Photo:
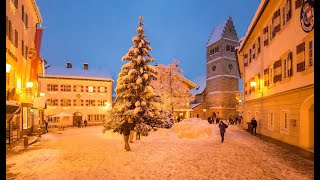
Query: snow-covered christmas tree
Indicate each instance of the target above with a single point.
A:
(136, 100)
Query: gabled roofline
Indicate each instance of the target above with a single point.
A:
(254, 24)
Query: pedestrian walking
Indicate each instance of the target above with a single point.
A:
(85, 123)
(254, 126)
(138, 129)
(79, 123)
(209, 120)
(133, 125)
(125, 130)
(178, 119)
(222, 127)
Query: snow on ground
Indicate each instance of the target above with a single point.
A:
(84, 153)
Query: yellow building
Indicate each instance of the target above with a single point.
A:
(80, 92)
(276, 61)
(23, 62)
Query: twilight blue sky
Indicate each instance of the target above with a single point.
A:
(99, 31)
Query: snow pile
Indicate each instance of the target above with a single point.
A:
(192, 128)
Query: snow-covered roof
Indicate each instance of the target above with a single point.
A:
(254, 20)
(194, 105)
(74, 72)
(201, 81)
(216, 33)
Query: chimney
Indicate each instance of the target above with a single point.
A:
(85, 66)
(69, 65)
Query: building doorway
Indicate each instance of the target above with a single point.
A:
(307, 123)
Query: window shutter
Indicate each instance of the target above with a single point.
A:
(48, 87)
(81, 102)
(61, 87)
(81, 88)
(265, 36)
(98, 88)
(61, 102)
(86, 88)
(69, 102)
(74, 102)
(289, 64)
(87, 102)
(266, 77)
(93, 102)
(105, 89)
(74, 88)
(288, 7)
(94, 88)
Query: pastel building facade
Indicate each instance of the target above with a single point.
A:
(23, 63)
(80, 92)
(276, 60)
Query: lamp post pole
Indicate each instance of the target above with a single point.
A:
(204, 112)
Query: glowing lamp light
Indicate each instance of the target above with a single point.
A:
(253, 84)
(42, 94)
(204, 110)
(8, 67)
(29, 84)
(240, 100)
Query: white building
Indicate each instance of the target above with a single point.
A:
(83, 93)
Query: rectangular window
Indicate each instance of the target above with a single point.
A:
(52, 102)
(27, 50)
(254, 51)
(271, 120)
(22, 48)
(65, 88)
(228, 48)
(65, 102)
(10, 30)
(310, 53)
(277, 71)
(102, 89)
(26, 20)
(16, 38)
(284, 123)
(90, 89)
(52, 87)
(250, 56)
(300, 57)
(266, 77)
(216, 49)
(91, 102)
(245, 60)
(232, 49)
(22, 13)
(276, 22)
(258, 44)
(271, 75)
(289, 64)
(265, 36)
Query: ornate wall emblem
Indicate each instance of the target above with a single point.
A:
(307, 15)
(214, 68)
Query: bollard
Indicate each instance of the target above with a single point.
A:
(25, 140)
(39, 132)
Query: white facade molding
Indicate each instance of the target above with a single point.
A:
(230, 40)
(222, 57)
(222, 92)
(232, 76)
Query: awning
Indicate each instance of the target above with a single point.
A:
(40, 102)
(12, 107)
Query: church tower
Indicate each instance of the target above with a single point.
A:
(222, 75)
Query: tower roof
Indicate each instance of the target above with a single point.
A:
(218, 31)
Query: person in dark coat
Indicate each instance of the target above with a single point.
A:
(85, 123)
(254, 125)
(125, 130)
(46, 123)
(222, 127)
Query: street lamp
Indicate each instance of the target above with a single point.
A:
(107, 105)
(42, 94)
(254, 84)
(8, 67)
(29, 84)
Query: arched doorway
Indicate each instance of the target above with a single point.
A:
(77, 116)
(307, 123)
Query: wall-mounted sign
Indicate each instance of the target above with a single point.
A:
(307, 15)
